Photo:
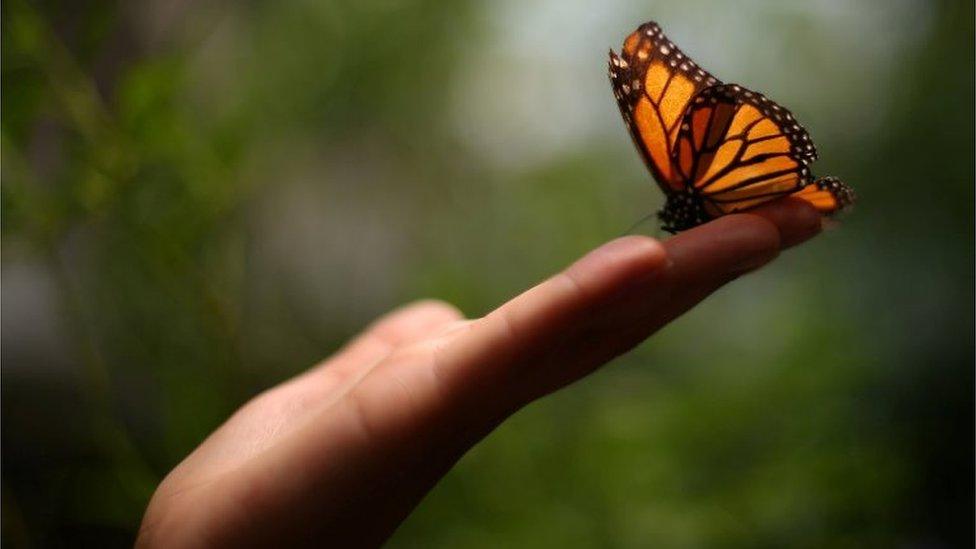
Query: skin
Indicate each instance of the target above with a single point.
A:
(342, 453)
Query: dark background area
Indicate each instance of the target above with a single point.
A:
(200, 199)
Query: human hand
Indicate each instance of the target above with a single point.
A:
(341, 454)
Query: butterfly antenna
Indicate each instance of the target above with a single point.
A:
(635, 225)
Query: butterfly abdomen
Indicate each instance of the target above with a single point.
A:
(682, 210)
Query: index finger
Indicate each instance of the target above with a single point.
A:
(612, 299)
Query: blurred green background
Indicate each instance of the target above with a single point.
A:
(201, 199)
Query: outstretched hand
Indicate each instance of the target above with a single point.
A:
(342, 453)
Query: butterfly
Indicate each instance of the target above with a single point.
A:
(713, 148)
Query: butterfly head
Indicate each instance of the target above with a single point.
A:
(683, 210)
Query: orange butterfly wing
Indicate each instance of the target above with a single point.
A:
(827, 194)
(737, 150)
(654, 82)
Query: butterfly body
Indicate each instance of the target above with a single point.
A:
(713, 148)
(682, 210)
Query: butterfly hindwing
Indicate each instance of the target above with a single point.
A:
(654, 82)
(827, 194)
(737, 149)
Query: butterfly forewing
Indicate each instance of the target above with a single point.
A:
(654, 82)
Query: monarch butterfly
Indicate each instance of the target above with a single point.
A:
(713, 148)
